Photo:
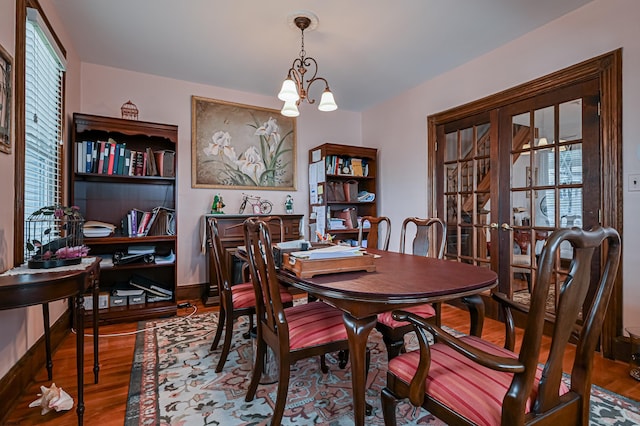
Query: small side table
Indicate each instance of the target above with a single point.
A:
(22, 287)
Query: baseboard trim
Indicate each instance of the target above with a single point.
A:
(22, 373)
(191, 292)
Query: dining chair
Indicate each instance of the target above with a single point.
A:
(235, 300)
(380, 225)
(467, 380)
(426, 230)
(292, 333)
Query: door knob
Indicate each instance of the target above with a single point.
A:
(493, 225)
(506, 226)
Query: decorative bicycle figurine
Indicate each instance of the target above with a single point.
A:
(258, 204)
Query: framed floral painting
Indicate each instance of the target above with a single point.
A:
(241, 146)
(6, 90)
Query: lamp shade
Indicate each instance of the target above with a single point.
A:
(288, 92)
(327, 103)
(290, 109)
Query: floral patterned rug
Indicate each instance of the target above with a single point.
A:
(173, 382)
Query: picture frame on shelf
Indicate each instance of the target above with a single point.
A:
(237, 146)
(6, 100)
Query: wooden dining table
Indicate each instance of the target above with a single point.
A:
(399, 281)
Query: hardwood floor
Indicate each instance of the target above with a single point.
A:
(105, 402)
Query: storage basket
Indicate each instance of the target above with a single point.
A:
(335, 191)
(350, 191)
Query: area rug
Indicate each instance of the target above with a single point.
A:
(173, 382)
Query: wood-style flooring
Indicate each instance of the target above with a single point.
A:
(105, 402)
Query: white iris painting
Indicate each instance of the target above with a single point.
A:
(241, 146)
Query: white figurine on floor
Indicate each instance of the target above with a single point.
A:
(53, 398)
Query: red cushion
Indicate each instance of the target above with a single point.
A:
(424, 311)
(243, 295)
(313, 324)
(474, 391)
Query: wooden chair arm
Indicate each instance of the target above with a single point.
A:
(421, 326)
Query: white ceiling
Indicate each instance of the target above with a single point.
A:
(368, 50)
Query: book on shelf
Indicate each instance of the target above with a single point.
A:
(166, 260)
(151, 168)
(165, 162)
(101, 149)
(112, 156)
(127, 292)
(121, 158)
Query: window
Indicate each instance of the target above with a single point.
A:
(40, 168)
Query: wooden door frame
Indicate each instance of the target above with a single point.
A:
(607, 68)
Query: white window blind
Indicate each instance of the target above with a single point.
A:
(43, 118)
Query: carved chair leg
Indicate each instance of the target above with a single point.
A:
(247, 334)
(476, 312)
(216, 339)
(283, 389)
(343, 358)
(226, 345)
(394, 347)
(256, 371)
(323, 364)
(388, 407)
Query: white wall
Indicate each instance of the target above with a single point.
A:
(21, 328)
(597, 28)
(165, 100)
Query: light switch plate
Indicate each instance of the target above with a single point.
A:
(634, 182)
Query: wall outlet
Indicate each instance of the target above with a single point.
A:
(634, 182)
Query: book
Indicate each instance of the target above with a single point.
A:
(144, 222)
(88, 156)
(141, 249)
(128, 292)
(112, 156)
(122, 158)
(165, 162)
(151, 169)
(127, 162)
(139, 164)
(102, 146)
(94, 157)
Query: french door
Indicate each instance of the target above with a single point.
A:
(514, 174)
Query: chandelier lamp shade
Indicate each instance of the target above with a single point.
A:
(295, 87)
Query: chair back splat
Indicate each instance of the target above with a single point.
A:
(427, 230)
(377, 226)
(512, 388)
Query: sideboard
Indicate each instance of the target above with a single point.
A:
(232, 236)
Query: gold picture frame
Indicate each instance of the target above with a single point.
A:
(237, 146)
(6, 100)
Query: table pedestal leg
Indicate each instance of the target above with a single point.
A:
(79, 309)
(358, 332)
(96, 317)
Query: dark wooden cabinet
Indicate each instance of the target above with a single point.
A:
(348, 171)
(109, 197)
(232, 236)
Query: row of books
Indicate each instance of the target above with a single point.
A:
(114, 158)
(139, 223)
(349, 166)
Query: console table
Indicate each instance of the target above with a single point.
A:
(22, 287)
(232, 236)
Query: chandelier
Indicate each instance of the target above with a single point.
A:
(294, 88)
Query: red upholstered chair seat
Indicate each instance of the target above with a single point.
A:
(425, 311)
(314, 324)
(476, 392)
(243, 296)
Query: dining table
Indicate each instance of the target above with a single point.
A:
(399, 281)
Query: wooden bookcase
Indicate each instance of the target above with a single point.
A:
(109, 197)
(338, 175)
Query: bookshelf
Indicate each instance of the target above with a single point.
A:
(347, 171)
(110, 197)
